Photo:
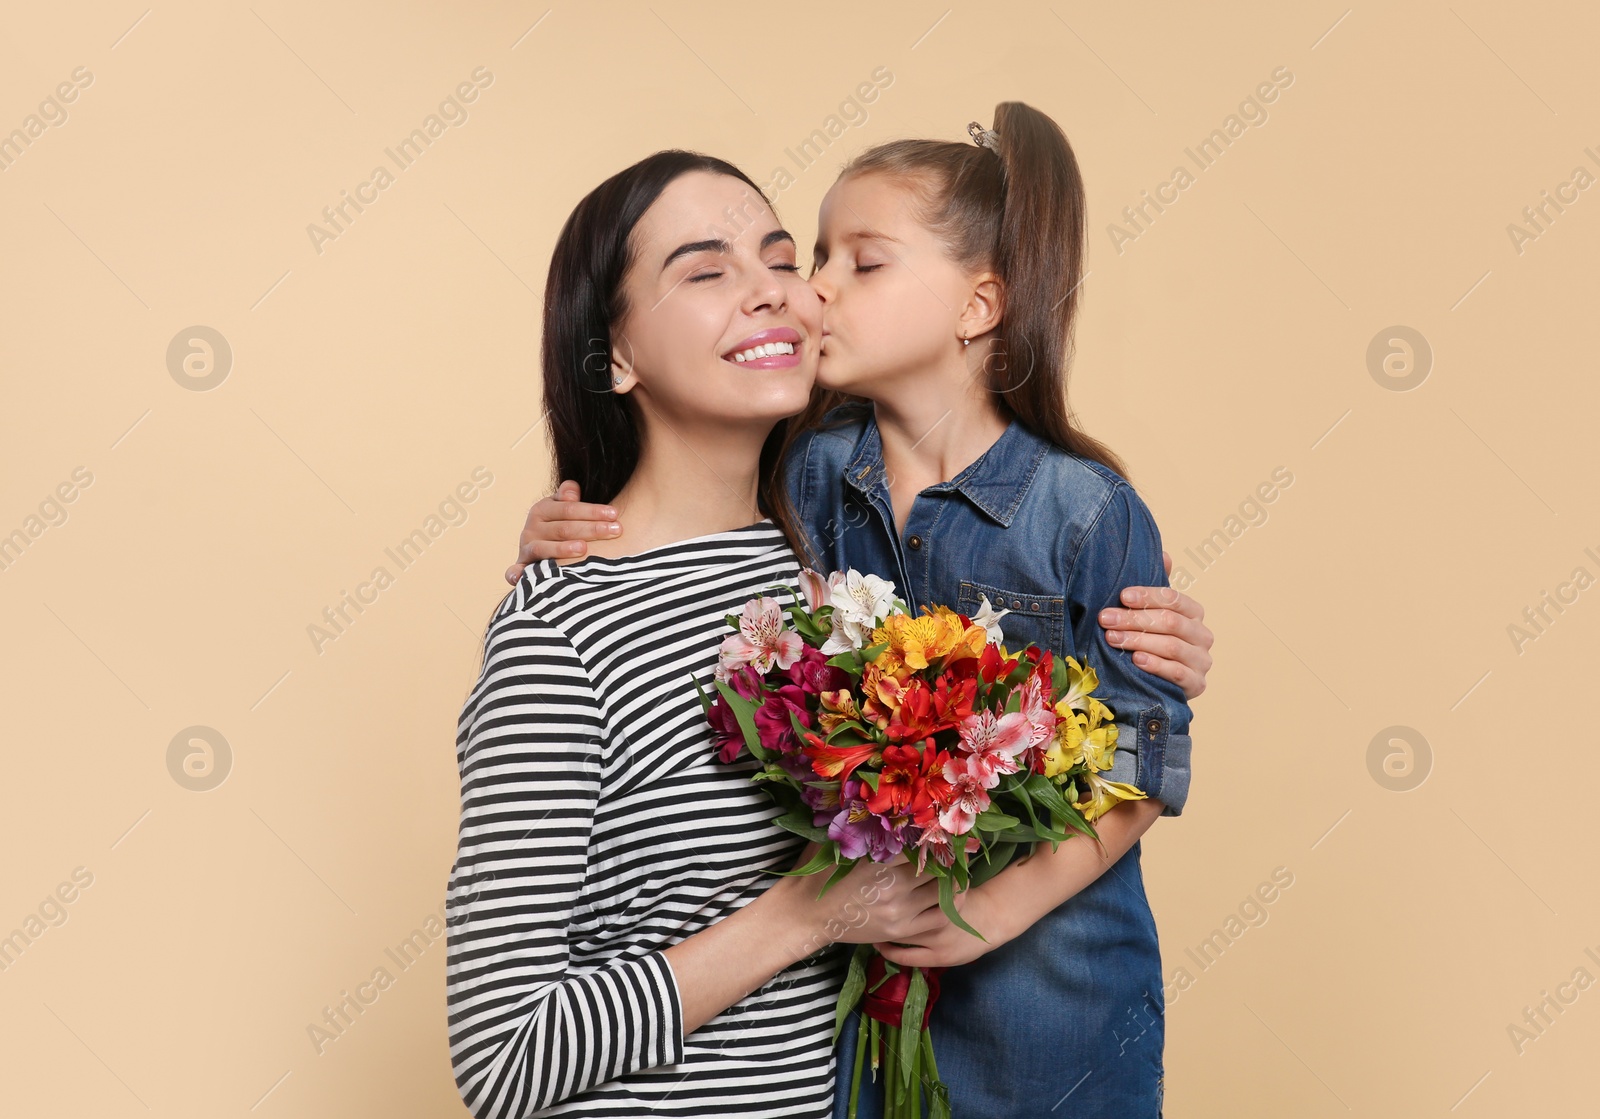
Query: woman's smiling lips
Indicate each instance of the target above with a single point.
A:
(781, 338)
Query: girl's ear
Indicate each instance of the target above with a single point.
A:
(984, 305)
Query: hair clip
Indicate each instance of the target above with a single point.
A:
(983, 137)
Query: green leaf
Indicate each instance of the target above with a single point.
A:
(705, 700)
(822, 858)
(732, 620)
(800, 729)
(868, 777)
(992, 819)
(996, 858)
(910, 1038)
(850, 727)
(855, 984)
(872, 651)
(947, 902)
(745, 711)
(799, 821)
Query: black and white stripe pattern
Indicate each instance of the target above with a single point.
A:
(598, 828)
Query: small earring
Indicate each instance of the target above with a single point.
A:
(965, 341)
(618, 378)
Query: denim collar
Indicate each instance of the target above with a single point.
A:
(996, 481)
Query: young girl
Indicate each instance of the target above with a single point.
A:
(949, 279)
(617, 944)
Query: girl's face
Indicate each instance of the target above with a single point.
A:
(893, 300)
(713, 277)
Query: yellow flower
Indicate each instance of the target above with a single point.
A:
(918, 641)
(1081, 680)
(1066, 750)
(1101, 796)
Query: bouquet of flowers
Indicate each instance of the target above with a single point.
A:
(882, 733)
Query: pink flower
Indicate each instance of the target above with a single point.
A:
(992, 744)
(762, 640)
(815, 587)
(970, 794)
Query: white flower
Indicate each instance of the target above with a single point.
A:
(859, 603)
(989, 618)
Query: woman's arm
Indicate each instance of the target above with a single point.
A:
(528, 1027)
(1161, 626)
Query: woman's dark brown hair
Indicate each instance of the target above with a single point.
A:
(1018, 212)
(596, 434)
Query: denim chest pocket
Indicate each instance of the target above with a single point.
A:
(1034, 619)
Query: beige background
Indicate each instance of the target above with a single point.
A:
(370, 379)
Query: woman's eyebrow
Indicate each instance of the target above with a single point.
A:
(718, 245)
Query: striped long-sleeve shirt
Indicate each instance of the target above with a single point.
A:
(597, 829)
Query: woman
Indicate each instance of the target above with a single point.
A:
(949, 275)
(618, 943)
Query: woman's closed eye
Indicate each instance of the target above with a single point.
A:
(775, 267)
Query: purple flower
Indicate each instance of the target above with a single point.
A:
(858, 832)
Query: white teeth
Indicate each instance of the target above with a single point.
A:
(766, 350)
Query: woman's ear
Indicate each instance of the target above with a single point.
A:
(622, 378)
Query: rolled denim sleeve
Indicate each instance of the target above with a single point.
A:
(1122, 548)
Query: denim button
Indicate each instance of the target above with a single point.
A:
(915, 542)
(1153, 726)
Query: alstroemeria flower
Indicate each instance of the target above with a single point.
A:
(726, 732)
(1101, 796)
(989, 618)
(772, 718)
(836, 761)
(858, 602)
(1080, 682)
(969, 796)
(814, 675)
(921, 640)
(911, 782)
(762, 641)
(993, 743)
(859, 832)
(815, 588)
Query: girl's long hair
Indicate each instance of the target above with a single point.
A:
(1020, 212)
(595, 433)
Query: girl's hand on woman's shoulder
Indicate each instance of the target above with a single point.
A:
(557, 527)
(1166, 630)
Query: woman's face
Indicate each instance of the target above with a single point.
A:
(891, 295)
(713, 277)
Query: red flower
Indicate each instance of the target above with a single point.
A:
(912, 782)
(836, 761)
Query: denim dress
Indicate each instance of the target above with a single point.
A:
(1067, 1019)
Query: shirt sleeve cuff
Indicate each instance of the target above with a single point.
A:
(662, 985)
(1154, 761)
